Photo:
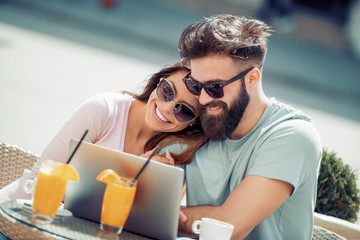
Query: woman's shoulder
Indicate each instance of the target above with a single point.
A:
(106, 102)
(111, 97)
(107, 99)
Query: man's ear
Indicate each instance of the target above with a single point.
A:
(253, 77)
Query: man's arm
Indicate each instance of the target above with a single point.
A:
(253, 200)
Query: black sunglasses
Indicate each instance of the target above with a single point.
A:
(166, 93)
(213, 89)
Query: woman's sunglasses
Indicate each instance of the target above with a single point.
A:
(213, 89)
(166, 93)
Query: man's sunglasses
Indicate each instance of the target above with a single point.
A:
(213, 89)
(166, 93)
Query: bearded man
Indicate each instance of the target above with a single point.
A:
(259, 169)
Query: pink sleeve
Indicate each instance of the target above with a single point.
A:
(104, 115)
(90, 115)
(98, 114)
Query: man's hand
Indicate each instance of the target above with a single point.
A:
(167, 159)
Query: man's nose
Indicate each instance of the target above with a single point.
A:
(204, 98)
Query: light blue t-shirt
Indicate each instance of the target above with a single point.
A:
(283, 145)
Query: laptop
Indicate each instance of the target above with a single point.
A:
(155, 211)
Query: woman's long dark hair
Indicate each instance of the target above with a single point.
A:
(192, 135)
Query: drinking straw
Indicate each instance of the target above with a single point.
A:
(146, 163)
(77, 146)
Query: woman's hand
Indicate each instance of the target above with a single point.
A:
(182, 216)
(167, 159)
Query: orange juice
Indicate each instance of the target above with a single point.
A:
(117, 203)
(49, 193)
(50, 190)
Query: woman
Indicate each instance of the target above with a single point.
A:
(164, 114)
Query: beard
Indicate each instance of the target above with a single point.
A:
(220, 126)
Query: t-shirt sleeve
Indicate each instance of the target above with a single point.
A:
(176, 148)
(289, 152)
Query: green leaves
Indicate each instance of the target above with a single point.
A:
(337, 193)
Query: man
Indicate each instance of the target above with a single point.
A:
(259, 171)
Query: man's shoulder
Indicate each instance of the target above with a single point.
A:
(279, 115)
(291, 126)
(283, 110)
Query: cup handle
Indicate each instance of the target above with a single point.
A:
(28, 186)
(195, 227)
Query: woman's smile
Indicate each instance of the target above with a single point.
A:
(159, 115)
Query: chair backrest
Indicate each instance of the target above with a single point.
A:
(346, 229)
(320, 233)
(13, 162)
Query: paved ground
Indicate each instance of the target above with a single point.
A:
(54, 54)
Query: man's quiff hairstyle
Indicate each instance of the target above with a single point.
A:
(241, 38)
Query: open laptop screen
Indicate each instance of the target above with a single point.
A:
(155, 210)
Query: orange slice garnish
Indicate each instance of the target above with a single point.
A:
(66, 171)
(108, 176)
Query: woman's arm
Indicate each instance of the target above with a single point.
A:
(90, 115)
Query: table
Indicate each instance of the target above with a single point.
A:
(15, 224)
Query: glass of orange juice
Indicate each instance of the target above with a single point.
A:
(117, 202)
(50, 190)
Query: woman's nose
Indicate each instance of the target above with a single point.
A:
(168, 107)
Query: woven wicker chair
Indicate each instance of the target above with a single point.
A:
(320, 233)
(346, 229)
(13, 162)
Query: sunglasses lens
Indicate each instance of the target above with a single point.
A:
(193, 87)
(214, 90)
(165, 92)
(183, 113)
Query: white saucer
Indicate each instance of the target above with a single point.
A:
(26, 204)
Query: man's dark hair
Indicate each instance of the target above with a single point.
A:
(243, 39)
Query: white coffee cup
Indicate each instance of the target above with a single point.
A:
(29, 187)
(212, 229)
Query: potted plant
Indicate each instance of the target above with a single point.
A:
(337, 192)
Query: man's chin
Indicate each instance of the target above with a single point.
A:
(212, 126)
(213, 121)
